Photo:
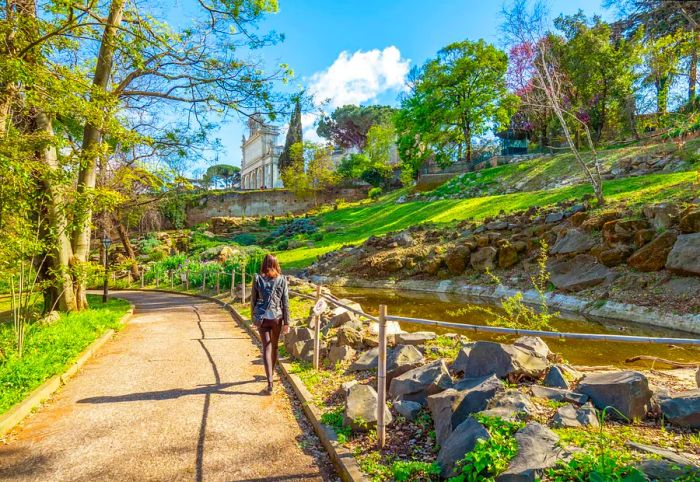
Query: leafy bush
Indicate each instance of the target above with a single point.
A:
(414, 470)
(282, 245)
(490, 457)
(264, 222)
(334, 419)
(374, 193)
(149, 244)
(317, 236)
(245, 239)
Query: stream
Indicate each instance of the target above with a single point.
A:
(440, 306)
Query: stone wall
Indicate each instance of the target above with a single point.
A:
(277, 202)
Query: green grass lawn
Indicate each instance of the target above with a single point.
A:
(355, 223)
(49, 350)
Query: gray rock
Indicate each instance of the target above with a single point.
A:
(451, 407)
(297, 334)
(682, 408)
(366, 361)
(684, 258)
(555, 378)
(487, 358)
(408, 409)
(553, 217)
(361, 408)
(537, 450)
(340, 316)
(483, 258)
(415, 338)
(662, 216)
(626, 391)
(558, 394)
(578, 273)
(462, 440)
(402, 359)
(510, 405)
(569, 416)
(50, 318)
(665, 454)
(574, 241)
(404, 239)
(341, 354)
(497, 225)
(662, 471)
(534, 344)
(417, 384)
(346, 386)
(460, 363)
(348, 336)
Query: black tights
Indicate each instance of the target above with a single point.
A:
(270, 335)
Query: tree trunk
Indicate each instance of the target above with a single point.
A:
(662, 95)
(693, 70)
(128, 248)
(92, 140)
(60, 256)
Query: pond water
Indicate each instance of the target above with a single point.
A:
(440, 306)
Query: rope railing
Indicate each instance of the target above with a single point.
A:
(547, 334)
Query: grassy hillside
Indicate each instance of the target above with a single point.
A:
(355, 223)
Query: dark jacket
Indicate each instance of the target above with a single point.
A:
(271, 293)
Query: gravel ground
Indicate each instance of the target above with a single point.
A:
(177, 395)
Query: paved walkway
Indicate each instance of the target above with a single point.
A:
(177, 395)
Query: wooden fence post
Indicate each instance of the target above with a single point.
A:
(218, 282)
(187, 279)
(381, 378)
(157, 279)
(233, 282)
(243, 284)
(316, 318)
(128, 277)
(143, 278)
(204, 280)
(172, 280)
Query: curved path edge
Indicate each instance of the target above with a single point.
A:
(596, 310)
(14, 416)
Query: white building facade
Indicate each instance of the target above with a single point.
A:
(260, 160)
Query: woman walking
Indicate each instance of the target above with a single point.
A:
(270, 311)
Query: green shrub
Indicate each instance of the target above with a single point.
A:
(374, 193)
(404, 470)
(282, 245)
(149, 244)
(334, 419)
(264, 222)
(317, 236)
(245, 239)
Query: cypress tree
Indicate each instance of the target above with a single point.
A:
(293, 136)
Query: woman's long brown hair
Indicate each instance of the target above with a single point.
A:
(270, 266)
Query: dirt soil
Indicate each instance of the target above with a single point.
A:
(177, 395)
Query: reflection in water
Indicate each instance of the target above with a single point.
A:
(436, 306)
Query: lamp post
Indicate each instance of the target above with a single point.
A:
(106, 242)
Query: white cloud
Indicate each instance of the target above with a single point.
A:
(359, 77)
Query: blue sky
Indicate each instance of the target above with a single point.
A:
(352, 51)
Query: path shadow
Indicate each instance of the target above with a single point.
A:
(214, 388)
(281, 478)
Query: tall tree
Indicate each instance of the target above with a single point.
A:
(347, 126)
(294, 135)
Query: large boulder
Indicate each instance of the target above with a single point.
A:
(415, 338)
(339, 316)
(574, 241)
(483, 258)
(627, 392)
(402, 359)
(684, 258)
(538, 449)
(366, 361)
(451, 407)
(662, 216)
(457, 258)
(558, 394)
(510, 405)
(341, 354)
(690, 222)
(462, 360)
(489, 358)
(578, 273)
(418, 384)
(662, 470)
(569, 416)
(508, 256)
(534, 344)
(296, 334)
(652, 256)
(555, 379)
(462, 440)
(361, 408)
(682, 408)
(349, 336)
